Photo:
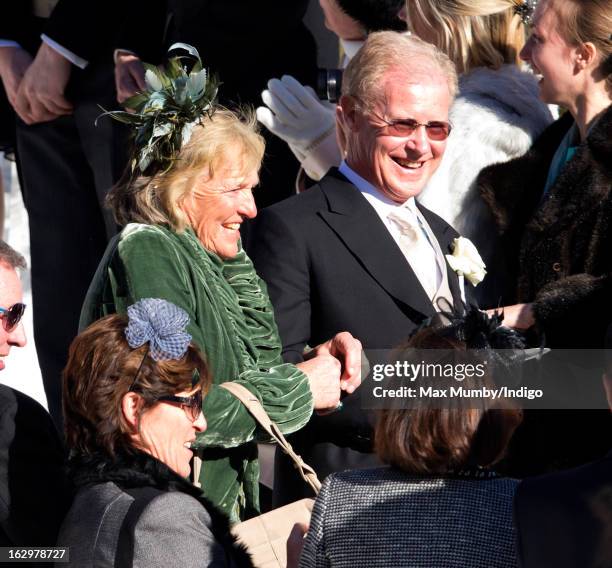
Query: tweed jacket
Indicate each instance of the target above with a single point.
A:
(559, 247)
(232, 322)
(176, 527)
(384, 517)
(496, 117)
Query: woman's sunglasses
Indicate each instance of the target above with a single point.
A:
(192, 405)
(12, 316)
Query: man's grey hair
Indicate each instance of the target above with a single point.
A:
(389, 51)
(8, 255)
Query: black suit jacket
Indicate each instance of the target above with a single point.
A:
(565, 519)
(34, 491)
(331, 265)
(87, 29)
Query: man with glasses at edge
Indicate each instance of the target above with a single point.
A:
(34, 493)
(356, 251)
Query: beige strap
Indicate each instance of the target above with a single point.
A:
(253, 405)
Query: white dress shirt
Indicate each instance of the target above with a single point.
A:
(428, 272)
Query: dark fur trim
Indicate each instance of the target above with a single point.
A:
(560, 248)
(142, 470)
(505, 187)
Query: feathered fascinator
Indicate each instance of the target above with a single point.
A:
(484, 336)
(480, 331)
(167, 110)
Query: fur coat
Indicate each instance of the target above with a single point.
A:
(559, 247)
(496, 117)
(176, 527)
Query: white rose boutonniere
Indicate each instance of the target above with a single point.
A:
(466, 262)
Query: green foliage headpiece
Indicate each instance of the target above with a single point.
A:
(167, 110)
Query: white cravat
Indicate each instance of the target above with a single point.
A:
(416, 248)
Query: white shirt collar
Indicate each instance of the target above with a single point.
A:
(382, 204)
(351, 47)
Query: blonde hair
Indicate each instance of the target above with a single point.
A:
(582, 21)
(221, 138)
(389, 51)
(473, 33)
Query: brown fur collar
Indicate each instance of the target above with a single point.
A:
(513, 190)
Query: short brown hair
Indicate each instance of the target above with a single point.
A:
(433, 440)
(388, 51)
(100, 370)
(224, 136)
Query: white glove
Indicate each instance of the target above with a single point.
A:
(295, 114)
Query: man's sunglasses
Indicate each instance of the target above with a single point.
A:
(12, 316)
(437, 130)
(192, 405)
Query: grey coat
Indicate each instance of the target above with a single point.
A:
(176, 526)
(384, 517)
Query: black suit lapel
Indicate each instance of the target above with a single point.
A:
(359, 227)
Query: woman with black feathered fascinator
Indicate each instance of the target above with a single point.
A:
(439, 502)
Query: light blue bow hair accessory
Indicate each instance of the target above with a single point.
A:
(162, 325)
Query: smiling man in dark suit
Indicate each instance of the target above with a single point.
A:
(356, 252)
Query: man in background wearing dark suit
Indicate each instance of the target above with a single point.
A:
(242, 41)
(56, 66)
(564, 519)
(356, 252)
(34, 492)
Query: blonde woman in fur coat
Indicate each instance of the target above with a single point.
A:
(495, 118)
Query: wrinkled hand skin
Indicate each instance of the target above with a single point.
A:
(40, 97)
(323, 372)
(129, 76)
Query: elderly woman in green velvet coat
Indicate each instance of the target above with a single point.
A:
(181, 242)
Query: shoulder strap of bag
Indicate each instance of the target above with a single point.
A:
(252, 404)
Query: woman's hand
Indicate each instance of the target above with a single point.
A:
(518, 316)
(344, 347)
(323, 372)
(295, 543)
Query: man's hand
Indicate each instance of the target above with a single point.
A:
(518, 316)
(344, 347)
(14, 62)
(41, 93)
(129, 75)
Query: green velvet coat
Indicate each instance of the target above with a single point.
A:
(232, 321)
